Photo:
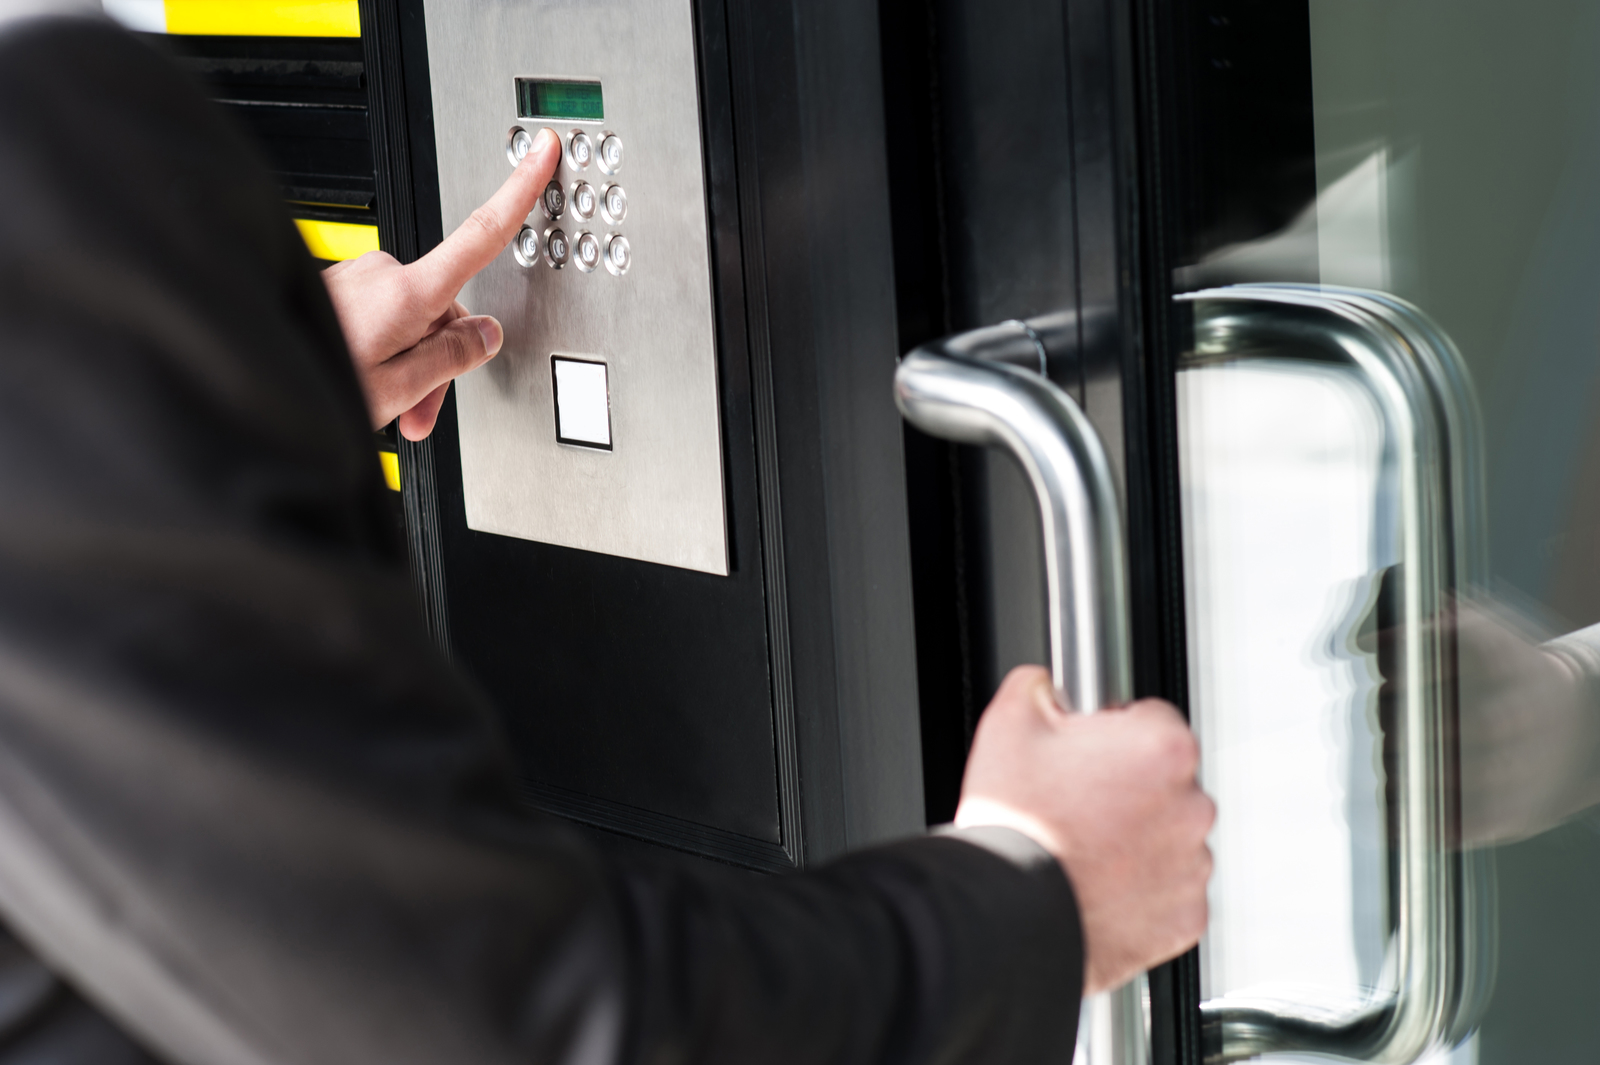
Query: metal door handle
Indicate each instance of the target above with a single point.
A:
(1442, 939)
(973, 389)
(987, 387)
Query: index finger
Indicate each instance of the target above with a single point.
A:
(439, 275)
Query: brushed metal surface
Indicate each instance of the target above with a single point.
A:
(658, 494)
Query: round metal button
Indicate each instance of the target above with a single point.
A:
(580, 150)
(614, 204)
(519, 142)
(584, 200)
(556, 249)
(611, 153)
(586, 252)
(619, 256)
(554, 200)
(525, 249)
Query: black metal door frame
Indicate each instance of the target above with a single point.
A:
(1029, 145)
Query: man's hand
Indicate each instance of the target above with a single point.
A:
(1113, 796)
(407, 334)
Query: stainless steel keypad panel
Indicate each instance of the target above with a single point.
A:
(630, 186)
(583, 201)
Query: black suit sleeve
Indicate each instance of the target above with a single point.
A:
(244, 805)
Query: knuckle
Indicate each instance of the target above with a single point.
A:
(461, 348)
(411, 292)
(1177, 752)
(1188, 749)
(1198, 819)
(1156, 710)
(486, 218)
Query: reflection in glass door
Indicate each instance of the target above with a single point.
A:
(1447, 154)
(1282, 464)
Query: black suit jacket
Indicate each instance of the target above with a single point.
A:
(246, 809)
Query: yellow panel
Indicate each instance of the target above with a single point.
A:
(337, 241)
(265, 18)
(391, 468)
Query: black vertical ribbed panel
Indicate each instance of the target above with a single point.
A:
(1155, 507)
(390, 122)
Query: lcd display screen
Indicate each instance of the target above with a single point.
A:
(574, 101)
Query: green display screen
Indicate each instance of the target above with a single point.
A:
(571, 100)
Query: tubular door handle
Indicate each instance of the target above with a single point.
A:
(973, 389)
(987, 387)
(1442, 940)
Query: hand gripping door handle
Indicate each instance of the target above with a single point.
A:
(987, 387)
(1440, 959)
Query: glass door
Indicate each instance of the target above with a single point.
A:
(1386, 252)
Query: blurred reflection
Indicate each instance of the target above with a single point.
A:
(1281, 465)
(1457, 158)
(1289, 510)
(1342, 237)
(1530, 724)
